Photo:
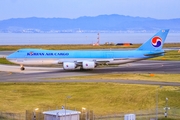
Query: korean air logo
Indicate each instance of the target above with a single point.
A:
(31, 53)
(156, 41)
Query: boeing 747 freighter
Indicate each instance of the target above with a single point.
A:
(87, 59)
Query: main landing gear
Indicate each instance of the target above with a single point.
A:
(22, 67)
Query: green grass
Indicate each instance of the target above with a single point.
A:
(169, 56)
(126, 76)
(167, 119)
(4, 61)
(167, 45)
(102, 98)
(3, 118)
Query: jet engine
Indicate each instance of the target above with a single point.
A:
(88, 65)
(69, 66)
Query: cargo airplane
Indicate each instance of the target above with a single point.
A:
(90, 59)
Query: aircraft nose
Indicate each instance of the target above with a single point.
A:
(9, 57)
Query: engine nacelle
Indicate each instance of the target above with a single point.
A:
(69, 65)
(88, 65)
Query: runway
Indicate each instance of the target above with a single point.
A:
(40, 74)
(3, 54)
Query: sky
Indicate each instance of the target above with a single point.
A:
(159, 9)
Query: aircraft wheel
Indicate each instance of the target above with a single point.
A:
(22, 68)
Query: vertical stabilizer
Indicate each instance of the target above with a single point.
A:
(155, 42)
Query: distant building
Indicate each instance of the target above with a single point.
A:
(125, 44)
(61, 114)
(130, 117)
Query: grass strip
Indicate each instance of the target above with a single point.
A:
(126, 76)
(172, 55)
(102, 98)
(4, 61)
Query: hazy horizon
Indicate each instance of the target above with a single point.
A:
(79, 38)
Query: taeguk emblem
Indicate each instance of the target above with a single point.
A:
(156, 41)
(31, 53)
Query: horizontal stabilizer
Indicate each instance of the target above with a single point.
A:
(154, 54)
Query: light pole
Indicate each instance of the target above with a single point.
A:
(67, 97)
(166, 108)
(85, 112)
(34, 113)
(157, 103)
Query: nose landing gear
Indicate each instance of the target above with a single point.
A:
(22, 67)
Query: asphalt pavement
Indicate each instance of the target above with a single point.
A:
(11, 73)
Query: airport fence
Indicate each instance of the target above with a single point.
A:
(12, 116)
(153, 114)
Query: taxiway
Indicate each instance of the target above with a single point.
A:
(11, 73)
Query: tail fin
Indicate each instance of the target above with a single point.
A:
(156, 42)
